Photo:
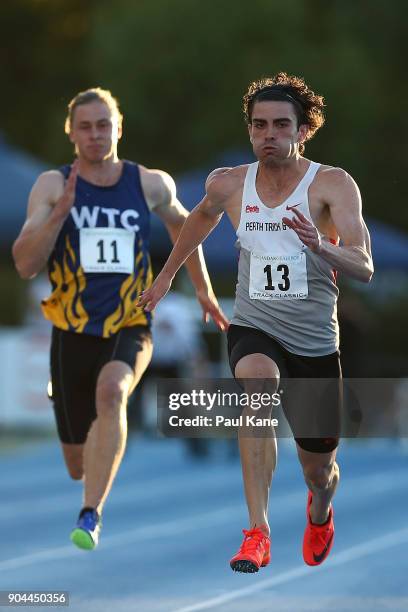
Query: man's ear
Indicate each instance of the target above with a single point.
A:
(302, 132)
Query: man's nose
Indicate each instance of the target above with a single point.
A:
(270, 132)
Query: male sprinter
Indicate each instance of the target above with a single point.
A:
(289, 214)
(90, 222)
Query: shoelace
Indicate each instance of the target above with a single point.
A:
(253, 538)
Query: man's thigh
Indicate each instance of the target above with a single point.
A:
(73, 360)
(134, 347)
(76, 363)
(245, 342)
(313, 401)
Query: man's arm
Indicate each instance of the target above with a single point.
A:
(199, 223)
(353, 258)
(48, 206)
(163, 200)
(160, 192)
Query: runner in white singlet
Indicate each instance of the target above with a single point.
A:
(299, 223)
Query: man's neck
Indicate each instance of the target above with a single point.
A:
(103, 173)
(279, 173)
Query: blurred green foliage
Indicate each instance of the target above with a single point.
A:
(180, 69)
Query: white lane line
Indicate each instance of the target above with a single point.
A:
(350, 554)
(150, 532)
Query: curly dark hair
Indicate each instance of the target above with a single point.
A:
(308, 105)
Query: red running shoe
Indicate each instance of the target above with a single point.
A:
(254, 552)
(318, 539)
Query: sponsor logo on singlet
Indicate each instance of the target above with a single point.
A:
(88, 217)
(265, 226)
(251, 209)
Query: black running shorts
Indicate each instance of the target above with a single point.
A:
(76, 361)
(300, 395)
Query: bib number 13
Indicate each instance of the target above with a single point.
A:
(282, 286)
(278, 277)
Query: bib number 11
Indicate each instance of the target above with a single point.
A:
(107, 250)
(282, 286)
(101, 247)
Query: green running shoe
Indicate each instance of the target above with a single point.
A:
(86, 533)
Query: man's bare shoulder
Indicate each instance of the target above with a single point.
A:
(332, 176)
(153, 176)
(49, 186)
(51, 177)
(337, 188)
(224, 183)
(158, 186)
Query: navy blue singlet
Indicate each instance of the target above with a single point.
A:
(100, 262)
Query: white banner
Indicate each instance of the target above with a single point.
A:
(24, 376)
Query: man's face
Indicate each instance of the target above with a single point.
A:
(274, 132)
(95, 132)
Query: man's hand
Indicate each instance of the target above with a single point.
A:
(306, 231)
(151, 297)
(64, 204)
(210, 307)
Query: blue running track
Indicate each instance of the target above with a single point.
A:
(171, 525)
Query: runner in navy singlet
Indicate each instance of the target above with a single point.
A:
(90, 221)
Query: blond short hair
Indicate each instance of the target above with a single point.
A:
(95, 94)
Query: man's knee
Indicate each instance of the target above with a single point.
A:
(258, 366)
(111, 395)
(260, 377)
